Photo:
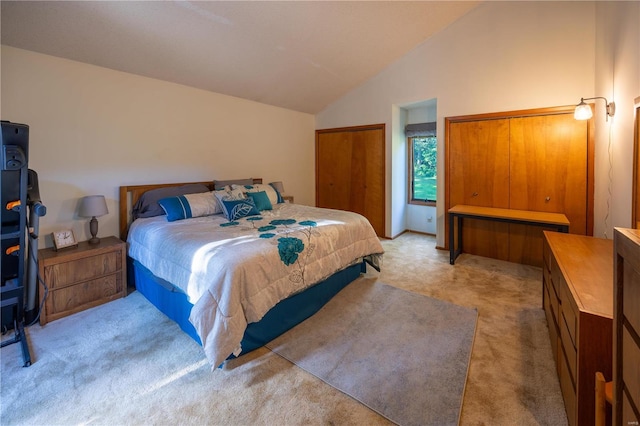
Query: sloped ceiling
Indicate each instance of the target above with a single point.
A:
(299, 55)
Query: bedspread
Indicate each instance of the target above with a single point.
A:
(234, 272)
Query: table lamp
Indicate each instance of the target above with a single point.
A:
(93, 206)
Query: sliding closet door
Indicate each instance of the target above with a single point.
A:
(479, 176)
(548, 174)
(350, 172)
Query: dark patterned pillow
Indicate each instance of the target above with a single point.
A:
(236, 209)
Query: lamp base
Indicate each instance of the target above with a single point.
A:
(93, 228)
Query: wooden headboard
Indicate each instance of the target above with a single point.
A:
(130, 194)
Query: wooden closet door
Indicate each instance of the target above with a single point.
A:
(548, 173)
(478, 161)
(350, 172)
(334, 152)
(367, 177)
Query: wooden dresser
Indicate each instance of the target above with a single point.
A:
(577, 293)
(626, 338)
(82, 277)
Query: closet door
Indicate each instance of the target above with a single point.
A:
(334, 152)
(548, 173)
(478, 163)
(367, 177)
(350, 172)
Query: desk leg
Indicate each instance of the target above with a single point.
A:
(452, 249)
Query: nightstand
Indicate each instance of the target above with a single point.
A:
(288, 198)
(82, 277)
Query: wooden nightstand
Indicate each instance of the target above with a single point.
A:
(82, 277)
(288, 198)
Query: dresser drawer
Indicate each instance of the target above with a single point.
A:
(569, 316)
(628, 415)
(631, 296)
(553, 328)
(64, 274)
(568, 348)
(631, 363)
(568, 391)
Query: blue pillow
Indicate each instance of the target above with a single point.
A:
(188, 205)
(261, 199)
(236, 209)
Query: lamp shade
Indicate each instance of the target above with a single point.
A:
(583, 111)
(93, 206)
(278, 186)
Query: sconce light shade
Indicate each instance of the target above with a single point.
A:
(278, 186)
(93, 206)
(583, 111)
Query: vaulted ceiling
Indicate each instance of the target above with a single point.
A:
(299, 55)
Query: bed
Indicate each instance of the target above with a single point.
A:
(238, 271)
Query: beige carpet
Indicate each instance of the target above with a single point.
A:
(109, 366)
(402, 354)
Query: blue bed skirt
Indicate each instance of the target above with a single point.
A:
(285, 315)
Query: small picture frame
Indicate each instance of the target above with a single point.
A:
(63, 238)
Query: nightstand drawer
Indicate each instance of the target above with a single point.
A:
(76, 298)
(65, 274)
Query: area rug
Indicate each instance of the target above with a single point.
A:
(402, 354)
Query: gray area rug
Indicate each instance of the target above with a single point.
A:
(402, 354)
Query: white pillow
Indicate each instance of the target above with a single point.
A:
(257, 187)
(189, 205)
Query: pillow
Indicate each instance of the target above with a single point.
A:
(147, 205)
(257, 187)
(227, 195)
(189, 205)
(261, 200)
(221, 184)
(236, 209)
(280, 199)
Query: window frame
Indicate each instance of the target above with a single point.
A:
(410, 163)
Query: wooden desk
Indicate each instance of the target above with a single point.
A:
(557, 221)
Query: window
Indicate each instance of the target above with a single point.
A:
(423, 150)
(422, 169)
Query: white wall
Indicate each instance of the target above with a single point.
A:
(617, 65)
(93, 129)
(501, 56)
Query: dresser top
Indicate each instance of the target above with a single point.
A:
(587, 265)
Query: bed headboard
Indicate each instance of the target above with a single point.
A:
(130, 194)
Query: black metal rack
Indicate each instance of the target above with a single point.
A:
(13, 235)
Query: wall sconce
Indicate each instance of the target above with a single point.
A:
(93, 206)
(583, 111)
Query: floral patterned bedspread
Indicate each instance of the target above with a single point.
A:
(234, 272)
